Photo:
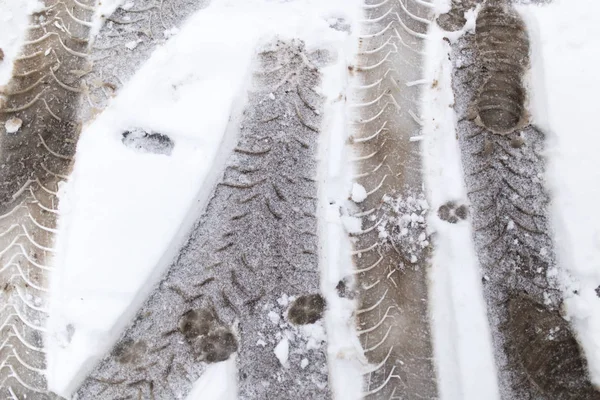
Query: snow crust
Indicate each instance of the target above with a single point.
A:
(565, 85)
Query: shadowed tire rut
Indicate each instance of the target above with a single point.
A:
(537, 354)
(247, 280)
(38, 134)
(391, 253)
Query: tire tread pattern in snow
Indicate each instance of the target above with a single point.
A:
(391, 253)
(38, 134)
(536, 353)
(254, 249)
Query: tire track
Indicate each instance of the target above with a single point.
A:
(38, 134)
(537, 354)
(247, 280)
(127, 39)
(392, 250)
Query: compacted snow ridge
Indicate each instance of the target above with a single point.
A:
(391, 251)
(38, 134)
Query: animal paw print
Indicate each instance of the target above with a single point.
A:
(209, 338)
(306, 309)
(451, 212)
(130, 351)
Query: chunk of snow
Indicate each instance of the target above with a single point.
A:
(351, 224)
(133, 44)
(274, 317)
(315, 333)
(282, 351)
(284, 300)
(359, 193)
(13, 125)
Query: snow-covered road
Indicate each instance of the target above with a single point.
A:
(188, 74)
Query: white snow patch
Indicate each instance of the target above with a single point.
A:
(14, 19)
(133, 44)
(13, 125)
(564, 103)
(351, 224)
(344, 349)
(274, 317)
(216, 382)
(462, 341)
(315, 333)
(359, 193)
(282, 351)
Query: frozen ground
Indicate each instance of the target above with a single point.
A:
(125, 211)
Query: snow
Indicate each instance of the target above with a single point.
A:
(351, 224)
(344, 351)
(565, 86)
(13, 125)
(14, 18)
(359, 194)
(215, 383)
(282, 351)
(274, 317)
(462, 341)
(124, 213)
(304, 363)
